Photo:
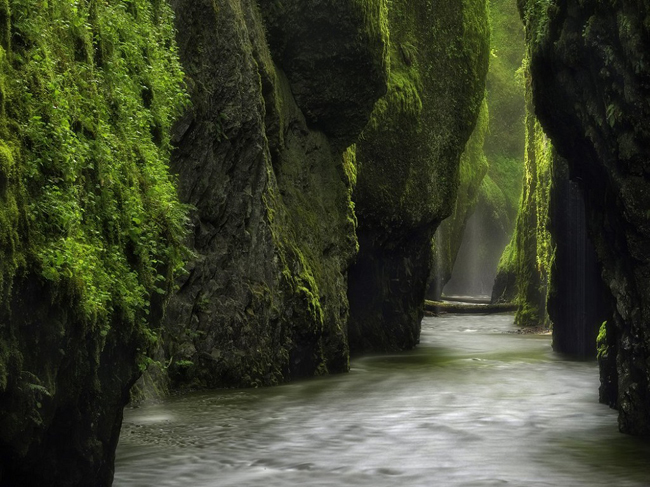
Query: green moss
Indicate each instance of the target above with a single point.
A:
(536, 15)
(505, 142)
(508, 261)
(493, 197)
(89, 93)
(11, 195)
(602, 345)
(533, 246)
(501, 190)
(504, 86)
(408, 162)
(473, 171)
(411, 145)
(376, 21)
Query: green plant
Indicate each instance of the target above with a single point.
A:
(601, 341)
(90, 90)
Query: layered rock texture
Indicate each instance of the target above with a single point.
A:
(408, 163)
(591, 81)
(90, 226)
(278, 93)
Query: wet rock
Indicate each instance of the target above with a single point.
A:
(592, 86)
(262, 158)
(578, 301)
(90, 227)
(408, 159)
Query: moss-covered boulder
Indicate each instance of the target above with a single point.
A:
(591, 87)
(262, 158)
(408, 162)
(90, 226)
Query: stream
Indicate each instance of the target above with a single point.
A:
(473, 405)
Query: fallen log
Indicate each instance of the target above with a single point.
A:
(437, 307)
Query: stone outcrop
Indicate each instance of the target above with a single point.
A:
(591, 81)
(408, 159)
(90, 226)
(278, 94)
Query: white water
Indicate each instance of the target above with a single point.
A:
(471, 406)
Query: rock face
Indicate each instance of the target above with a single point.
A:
(488, 230)
(578, 301)
(408, 163)
(451, 232)
(533, 246)
(592, 91)
(90, 226)
(524, 269)
(262, 157)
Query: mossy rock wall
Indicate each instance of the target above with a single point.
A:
(526, 261)
(591, 81)
(90, 226)
(262, 157)
(533, 248)
(449, 235)
(408, 163)
(500, 192)
(476, 236)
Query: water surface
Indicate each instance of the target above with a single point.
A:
(473, 405)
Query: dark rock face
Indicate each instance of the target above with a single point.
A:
(332, 54)
(578, 302)
(261, 156)
(408, 163)
(90, 226)
(592, 91)
(61, 409)
(504, 289)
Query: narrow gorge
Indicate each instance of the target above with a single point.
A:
(201, 195)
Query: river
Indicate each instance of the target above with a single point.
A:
(473, 405)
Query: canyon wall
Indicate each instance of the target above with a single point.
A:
(591, 83)
(279, 92)
(91, 229)
(483, 220)
(408, 163)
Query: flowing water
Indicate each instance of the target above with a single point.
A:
(473, 405)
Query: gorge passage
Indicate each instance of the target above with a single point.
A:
(202, 194)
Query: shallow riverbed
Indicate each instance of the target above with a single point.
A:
(473, 405)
